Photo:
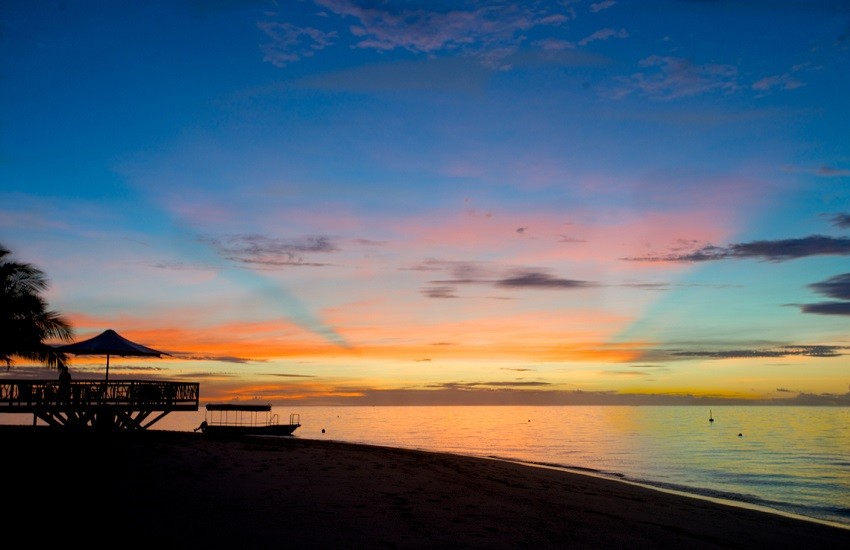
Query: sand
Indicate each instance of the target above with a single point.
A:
(179, 489)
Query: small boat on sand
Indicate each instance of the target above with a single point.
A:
(234, 419)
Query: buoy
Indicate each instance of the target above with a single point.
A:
(323, 430)
(710, 418)
(740, 435)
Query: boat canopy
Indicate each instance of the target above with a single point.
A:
(237, 407)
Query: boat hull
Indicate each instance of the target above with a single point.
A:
(236, 419)
(232, 431)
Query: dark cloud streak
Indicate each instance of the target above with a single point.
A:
(837, 287)
(472, 273)
(772, 251)
(439, 292)
(841, 220)
(540, 280)
(499, 384)
(827, 308)
(783, 351)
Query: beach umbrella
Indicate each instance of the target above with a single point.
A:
(110, 343)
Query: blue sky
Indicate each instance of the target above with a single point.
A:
(361, 202)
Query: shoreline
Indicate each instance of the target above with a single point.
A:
(688, 494)
(192, 490)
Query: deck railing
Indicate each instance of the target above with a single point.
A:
(89, 402)
(25, 394)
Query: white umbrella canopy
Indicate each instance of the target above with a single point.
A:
(109, 343)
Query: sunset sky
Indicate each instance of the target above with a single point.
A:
(362, 202)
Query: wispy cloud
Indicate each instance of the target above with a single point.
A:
(290, 43)
(271, 252)
(204, 357)
(604, 34)
(667, 78)
(782, 82)
(490, 32)
(600, 6)
(554, 44)
(773, 251)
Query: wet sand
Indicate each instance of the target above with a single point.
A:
(178, 489)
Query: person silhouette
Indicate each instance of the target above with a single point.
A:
(65, 385)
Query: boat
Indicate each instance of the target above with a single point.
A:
(235, 419)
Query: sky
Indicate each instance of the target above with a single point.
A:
(344, 202)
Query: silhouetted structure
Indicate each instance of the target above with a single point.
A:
(127, 405)
(110, 343)
(65, 384)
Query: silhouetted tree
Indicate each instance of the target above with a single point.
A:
(25, 321)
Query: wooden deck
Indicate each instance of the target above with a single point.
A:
(125, 405)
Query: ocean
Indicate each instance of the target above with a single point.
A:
(793, 460)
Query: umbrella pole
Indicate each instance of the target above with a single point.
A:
(107, 367)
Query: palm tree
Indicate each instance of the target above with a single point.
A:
(25, 321)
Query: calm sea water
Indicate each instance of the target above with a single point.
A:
(790, 459)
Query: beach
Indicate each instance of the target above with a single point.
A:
(186, 489)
